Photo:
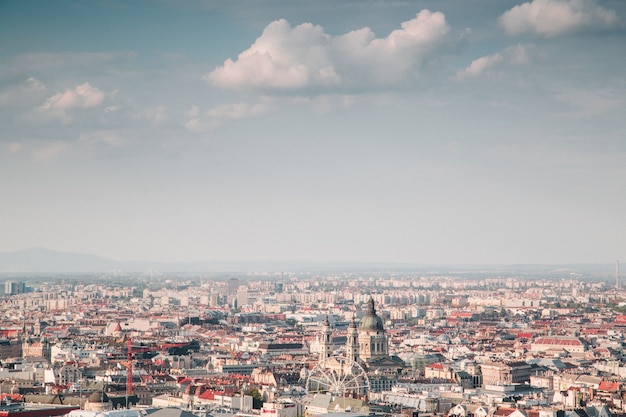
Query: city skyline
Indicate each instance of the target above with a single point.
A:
(403, 131)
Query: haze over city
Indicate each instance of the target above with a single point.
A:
(483, 132)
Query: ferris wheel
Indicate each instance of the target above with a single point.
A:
(339, 376)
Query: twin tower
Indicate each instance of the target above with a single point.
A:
(365, 343)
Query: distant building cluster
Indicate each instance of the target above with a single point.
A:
(292, 345)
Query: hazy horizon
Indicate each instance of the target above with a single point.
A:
(42, 261)
(421, 132)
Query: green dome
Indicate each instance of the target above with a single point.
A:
(371, 321)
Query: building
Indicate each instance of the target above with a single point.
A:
(281, 409)
(36, 349)
(371, 335)
(12, 406)
(501, 373)
(367, 346)
(10, 349)
(557, 344)
(242, 296)
(12, 288)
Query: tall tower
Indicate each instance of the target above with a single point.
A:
(617, 274)
(352, 345)
(46, 349)
(327, 340)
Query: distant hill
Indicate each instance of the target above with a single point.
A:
(40, 260)
(46, 260)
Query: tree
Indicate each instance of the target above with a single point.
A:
(255, 393)
(257, 398)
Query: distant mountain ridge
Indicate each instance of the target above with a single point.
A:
(46, 260)
(41, 260)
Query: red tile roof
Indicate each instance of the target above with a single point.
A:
(608, 386)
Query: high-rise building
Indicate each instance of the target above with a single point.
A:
(214, 301)
(242, 296)
(13, 287)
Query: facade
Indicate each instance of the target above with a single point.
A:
(555, 344)
(69, 373)
(10, 349)
(439, 371)
(36, 349)
(500, 373)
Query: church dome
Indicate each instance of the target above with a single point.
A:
(98, 397)
(98, 401)
(371, 321)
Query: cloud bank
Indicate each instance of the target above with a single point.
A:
(293, 58)
(555, 17)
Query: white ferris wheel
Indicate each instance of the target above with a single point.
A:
(339, 376)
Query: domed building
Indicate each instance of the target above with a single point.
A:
(98, 401)
(367, 345)
(371, 335)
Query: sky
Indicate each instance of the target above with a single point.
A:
(428, 132)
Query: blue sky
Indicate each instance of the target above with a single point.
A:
(454, 132)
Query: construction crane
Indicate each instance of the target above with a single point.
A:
(128, 364)
(129, 372)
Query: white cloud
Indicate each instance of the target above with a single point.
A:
(478, 66)
(304, 56)
(83, 96)
(217, 116)
(555, 17)
(514, 55)
(62, 105)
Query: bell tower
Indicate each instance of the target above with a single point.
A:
(327, 340)
(352, 345)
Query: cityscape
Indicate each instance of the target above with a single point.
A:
(290, 344)
(312, 208)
